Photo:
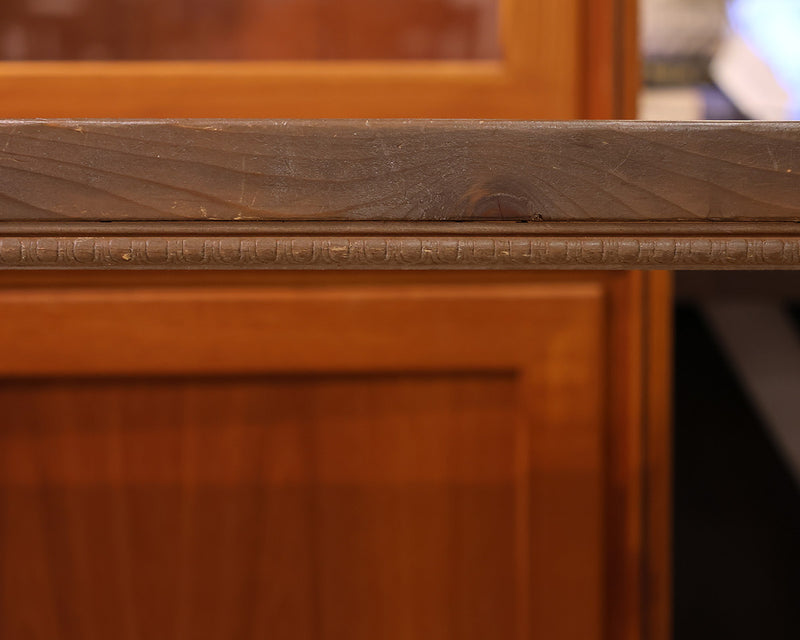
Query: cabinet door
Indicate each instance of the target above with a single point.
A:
(325, 457)
(527, 59)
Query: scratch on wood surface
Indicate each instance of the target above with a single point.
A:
(774, 159)
(9, 138)
(622, 162)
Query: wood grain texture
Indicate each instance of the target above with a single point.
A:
(307, 507)
(412, 477)
(399, 170)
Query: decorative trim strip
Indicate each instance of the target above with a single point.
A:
(399, 252)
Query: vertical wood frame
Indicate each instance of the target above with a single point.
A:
(560, 61)
(658, 458)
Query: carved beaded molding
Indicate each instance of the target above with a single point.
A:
(398, 252)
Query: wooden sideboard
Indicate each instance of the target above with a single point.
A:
(245, 391)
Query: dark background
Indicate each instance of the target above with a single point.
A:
(737, 506)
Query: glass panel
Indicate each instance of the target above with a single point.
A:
(248, 29)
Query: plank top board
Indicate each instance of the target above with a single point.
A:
(391, 170)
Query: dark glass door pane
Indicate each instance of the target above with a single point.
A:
(248, 29)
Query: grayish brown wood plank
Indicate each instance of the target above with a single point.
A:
(399, 171)
(399, 195)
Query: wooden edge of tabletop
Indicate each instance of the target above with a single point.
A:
(414, 194)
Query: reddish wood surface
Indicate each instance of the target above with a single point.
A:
(658, 458)
(556, 65)
(337, 458)
(550, 50)
(249, 29)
